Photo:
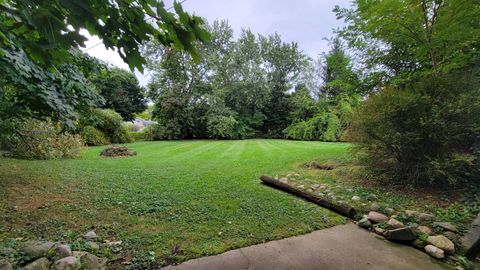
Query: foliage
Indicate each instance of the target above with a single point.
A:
(108, 122)
(35, 139)
(322, 127)
(93, 136)
(409, 135)
(121, 92)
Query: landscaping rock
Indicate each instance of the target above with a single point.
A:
(118, 151)
(91, 235)
(364, 223)
(442, 243)
(419, 244)
(321, 194)
(283, 180)
(425, 230)
(447, 226)
(37, 249)
(401, 234)
(62, 251)
(78, 254)
(424, 217)
(7, 251)
(375, 207)
(452, 236)
(90, 262)
(389, 210)
(412, 213)
(92, 245)
(310, 190)
(471, 240)
(68, 263)
(301, 186)
(355, 198)
(434, 252)
(394, 224)
(5, 265)
(315, 186)
(39, 264)
(376, 217)
(349, 190)
(379, 230)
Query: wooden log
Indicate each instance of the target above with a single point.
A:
(342, 209)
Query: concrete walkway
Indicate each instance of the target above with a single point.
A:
(343, 247)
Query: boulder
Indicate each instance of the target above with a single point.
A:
(446, 226)
(425, 230)
(37, 249)
(62, 251)
(364, 223)
(91, 262)
(355, 198)
(376, 217)
(68, 263)
(412, 213)
(424, 217)
(419, 244)
(394, 224)
(389, 210)
(90, 235)
(434, 252)
(471, 240)
(39, 264)
(442, 243)
(375, 207)
(5, 265)
(402, 234)
(378, 230)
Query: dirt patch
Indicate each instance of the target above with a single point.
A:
(118, 151)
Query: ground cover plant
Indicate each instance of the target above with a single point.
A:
(189, 198)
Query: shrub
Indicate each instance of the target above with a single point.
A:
(160, 132)
(421, 134)
(109, 122)
(36, 139)
(222, 127)
(322, 127)
(93, 136)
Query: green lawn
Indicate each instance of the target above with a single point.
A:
(202, 196)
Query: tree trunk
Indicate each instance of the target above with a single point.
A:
(342, 209)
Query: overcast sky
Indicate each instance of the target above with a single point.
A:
(306, 22)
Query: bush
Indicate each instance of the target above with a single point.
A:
(323, 127)
(93, 136)
(422, 134)
(35, 139)
(109, 122)
(222, 127)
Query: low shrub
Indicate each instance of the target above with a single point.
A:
(93, 136)
(109, 122)
(322, 127)
(36, 139)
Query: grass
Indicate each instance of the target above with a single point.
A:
(174, 201)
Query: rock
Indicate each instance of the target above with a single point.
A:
(331, 194)
(376, 217)
(364, 223)
(92, 245)
(355, 198)
(91, 235)
(39, 264)
(68, 263)
(378, 230)
(349, 190)
(62, 251)
(321, 194)
(283, 180)
(394, 224)
(401, 234)
(447, 226)
(413, 226)
(412, 213)
(37, 249)
(442, 243)
(90, 261)
(419, 244)
(315, 186)
(389, 210)
(471, 240)
(78, 254)
(426, 217)
(5, 265)
(301, 186)
(434, 252)
(375, 207)
(323, 186)
(310, 190)
(7, 251)
(452, 236)
(425, 230)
